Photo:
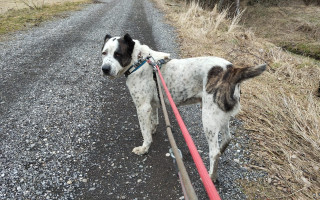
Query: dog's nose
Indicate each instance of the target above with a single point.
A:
(106, 69)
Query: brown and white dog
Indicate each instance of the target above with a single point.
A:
(212, 81)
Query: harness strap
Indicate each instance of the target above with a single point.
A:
(159, 63)
(155, 80)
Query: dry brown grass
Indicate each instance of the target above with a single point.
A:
(25, 18)
(7, 5)
(279, 108)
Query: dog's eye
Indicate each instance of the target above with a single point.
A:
(117, 55)
(104, 53)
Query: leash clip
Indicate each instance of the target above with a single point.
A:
(152, 62)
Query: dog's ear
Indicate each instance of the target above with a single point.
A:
(127, 38)
(106, 38)
(249, 72)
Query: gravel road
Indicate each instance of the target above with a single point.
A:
(67, 132)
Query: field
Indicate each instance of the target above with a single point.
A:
(281, 108)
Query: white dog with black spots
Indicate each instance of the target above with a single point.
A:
(214, 82)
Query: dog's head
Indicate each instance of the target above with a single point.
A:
(116, 55)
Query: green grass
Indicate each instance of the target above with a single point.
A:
(21, 19)
(306, 49)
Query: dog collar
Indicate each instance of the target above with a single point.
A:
(135, 67)
(141, 62)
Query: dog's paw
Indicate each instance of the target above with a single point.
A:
(140, 150)
(213, 177)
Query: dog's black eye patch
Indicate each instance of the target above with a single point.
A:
(117, 54)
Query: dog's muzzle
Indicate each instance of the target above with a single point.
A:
(106, 69)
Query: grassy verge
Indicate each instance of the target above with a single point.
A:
(294, 27)
(305, 49)
(14, 20)
(280, 108)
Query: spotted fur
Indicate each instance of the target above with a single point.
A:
(211, 81)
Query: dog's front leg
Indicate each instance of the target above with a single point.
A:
(144, 112)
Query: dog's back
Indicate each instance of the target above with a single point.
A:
(186, 78)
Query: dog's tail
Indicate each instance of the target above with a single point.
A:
(242, 74)
(222, 83)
